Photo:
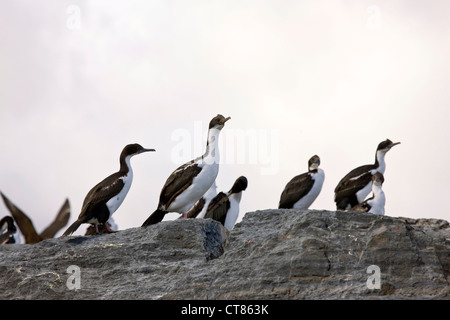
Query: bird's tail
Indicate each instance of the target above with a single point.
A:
(155, 217)
(346, 203)
(73, 227)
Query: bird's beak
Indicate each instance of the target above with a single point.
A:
(226, 119)
(394, 144)
(147, 150)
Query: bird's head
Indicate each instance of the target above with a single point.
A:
(386, 145)
(218, 122)
(239, 185)
(134, 149)
(10, 227)
(378, 179)
(313, 163)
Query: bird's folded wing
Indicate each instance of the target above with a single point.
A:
(101, 192)
(218, 208)
(177, 182)
(355, 180)
(295, 189)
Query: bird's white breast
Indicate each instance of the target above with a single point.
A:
(308, 199)
(378, 203)
(114, 203)
(200, 184)
(233, 212)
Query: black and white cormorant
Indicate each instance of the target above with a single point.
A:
(189, 182)
(225, 206)
(107, 196)
(303, 189)
(26, 226)
(357, 184)
(374, 204)
(7, 230)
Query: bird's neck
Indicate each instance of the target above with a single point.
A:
(212, 191)
(212, 145)
(379, 161)
(125, 166)
(236, 196)
(378, 200)
(376, 190)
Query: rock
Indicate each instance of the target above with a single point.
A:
(271, 254)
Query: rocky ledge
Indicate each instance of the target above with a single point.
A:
(271, 254)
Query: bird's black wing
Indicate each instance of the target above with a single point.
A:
(197, 208)
(101, 193)
(352, 182)
(177, 182)
(295, 189)
(60, 221)
(218, 208)
(23, 222)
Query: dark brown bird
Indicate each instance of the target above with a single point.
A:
(107, 196)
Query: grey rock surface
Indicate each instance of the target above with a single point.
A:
(271, 254)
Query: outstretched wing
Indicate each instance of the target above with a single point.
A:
(60, 221)
(218, 208)
(23, 222)
(295, 189)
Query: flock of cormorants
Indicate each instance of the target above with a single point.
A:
(191, 191)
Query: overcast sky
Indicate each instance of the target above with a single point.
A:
(81, 79)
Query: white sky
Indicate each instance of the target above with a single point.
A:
(81, 79)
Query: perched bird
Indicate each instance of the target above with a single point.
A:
(199, 208)
(7, 230)
(374, 204)
(356, 185)
(225, 206)
(189, 182)
(107, 196)
(303, 189)
(26, 226)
